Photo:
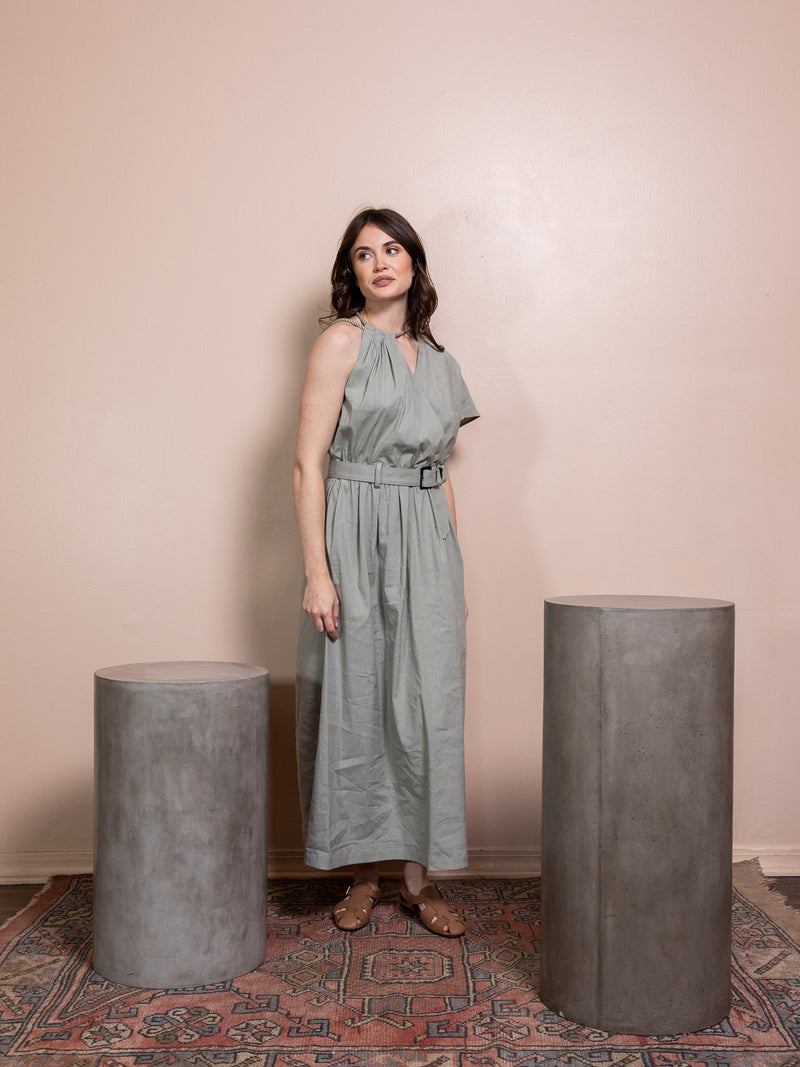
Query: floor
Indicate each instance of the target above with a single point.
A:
(789, 889)
(14, 897)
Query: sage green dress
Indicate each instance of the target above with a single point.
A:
(380, 712)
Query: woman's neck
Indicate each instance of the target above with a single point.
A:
(391, 317)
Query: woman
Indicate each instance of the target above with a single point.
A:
(381, 656)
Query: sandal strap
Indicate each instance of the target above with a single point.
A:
(373, 894)
(359, 900)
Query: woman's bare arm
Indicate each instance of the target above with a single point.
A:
(329, 365)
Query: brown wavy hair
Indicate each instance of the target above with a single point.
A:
(347, 298)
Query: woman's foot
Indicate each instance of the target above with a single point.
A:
(433, 911)
(422, 898)
(355, 910)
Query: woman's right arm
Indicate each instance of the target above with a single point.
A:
(329, 365)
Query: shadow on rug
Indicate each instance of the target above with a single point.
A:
(390, 995)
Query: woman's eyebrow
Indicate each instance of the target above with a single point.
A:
(366, 248)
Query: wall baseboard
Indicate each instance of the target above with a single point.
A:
(16, 867)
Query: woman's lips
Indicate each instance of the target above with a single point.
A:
(383, 281)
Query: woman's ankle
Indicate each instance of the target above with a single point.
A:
(415, 877)
(367, 872)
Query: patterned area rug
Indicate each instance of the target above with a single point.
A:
(390, 995)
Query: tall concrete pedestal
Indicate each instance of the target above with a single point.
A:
(636, 812)
(180, 822)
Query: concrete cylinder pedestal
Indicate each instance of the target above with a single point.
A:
(180, 822)
(636, 812)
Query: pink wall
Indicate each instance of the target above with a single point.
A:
(608, 192)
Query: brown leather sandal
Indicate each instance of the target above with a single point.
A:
(355, 910)
(433, 911)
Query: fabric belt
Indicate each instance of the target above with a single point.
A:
(383, 474)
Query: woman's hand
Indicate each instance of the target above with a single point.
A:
(321, 604)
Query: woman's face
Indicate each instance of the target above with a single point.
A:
(383, 269)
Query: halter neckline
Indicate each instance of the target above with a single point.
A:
(364, 322)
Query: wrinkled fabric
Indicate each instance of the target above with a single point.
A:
(380, 712)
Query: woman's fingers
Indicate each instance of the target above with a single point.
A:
(329, 622)
(323, 611)
(326, 622)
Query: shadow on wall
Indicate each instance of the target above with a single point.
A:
(285, 830)
(505, 590)
(273, 576)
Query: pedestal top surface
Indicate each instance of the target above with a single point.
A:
(181, 671)
(640, 603)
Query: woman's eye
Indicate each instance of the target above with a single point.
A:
(392, 251)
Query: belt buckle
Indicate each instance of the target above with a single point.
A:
(422, 477)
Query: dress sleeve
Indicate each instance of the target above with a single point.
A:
(468, 412)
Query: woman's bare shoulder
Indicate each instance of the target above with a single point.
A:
(344, 333)
(336, 349)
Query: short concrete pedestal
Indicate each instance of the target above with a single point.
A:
(636, 812)
(180, 822)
